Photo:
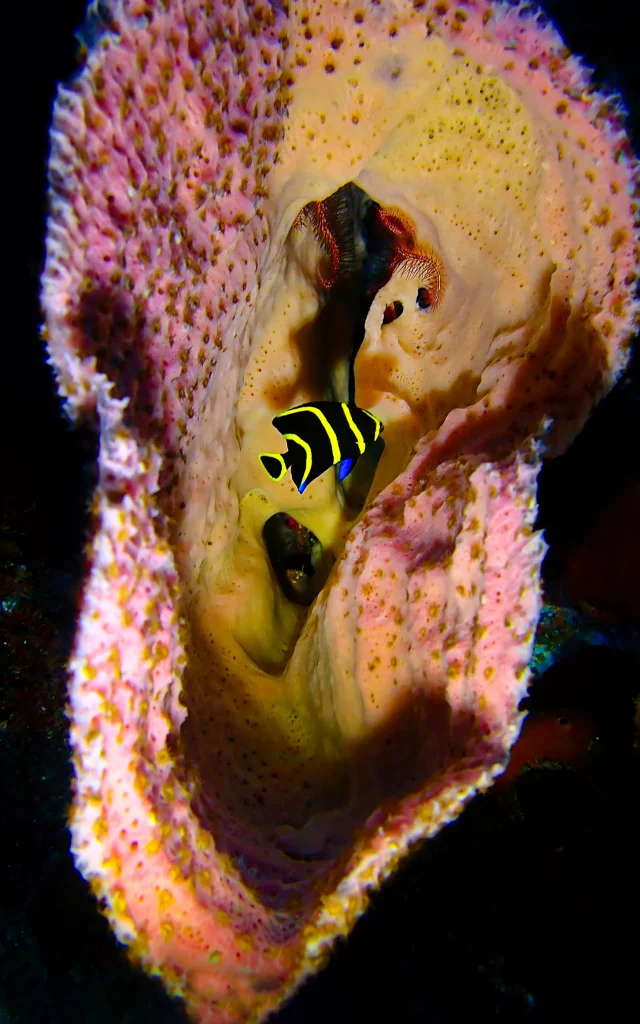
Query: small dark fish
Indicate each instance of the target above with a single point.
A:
(297, 558)
(320, 435)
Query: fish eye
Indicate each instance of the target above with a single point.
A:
(423, 300)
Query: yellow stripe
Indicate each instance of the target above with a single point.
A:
(377, 422)
(331, 434)
(358, 436)
(307, 448)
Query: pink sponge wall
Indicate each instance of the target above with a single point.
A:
(159, 153)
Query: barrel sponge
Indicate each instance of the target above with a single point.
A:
(181, 156)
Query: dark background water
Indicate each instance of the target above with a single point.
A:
(520, 910)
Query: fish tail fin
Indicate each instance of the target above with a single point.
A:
(275, 464)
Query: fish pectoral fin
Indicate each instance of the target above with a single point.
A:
(345, 467)
(275, 464)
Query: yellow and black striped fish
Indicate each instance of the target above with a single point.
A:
(320, 435)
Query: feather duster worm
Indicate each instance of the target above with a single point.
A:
(422, 208)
